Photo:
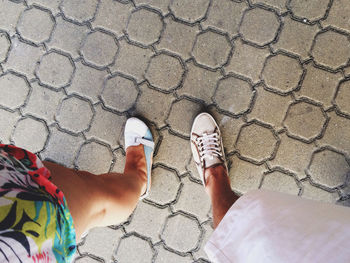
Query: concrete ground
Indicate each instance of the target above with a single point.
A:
(274, 73)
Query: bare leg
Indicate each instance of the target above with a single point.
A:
(219, 189)
(102, 200)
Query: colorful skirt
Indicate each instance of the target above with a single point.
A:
(35, 223)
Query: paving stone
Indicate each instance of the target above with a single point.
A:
(182, 115)
(279, 5)
(94, 158)
(331, 49)
(211, 49)
(169, 150)
(118, 166)
(337, 133)
(164, 72)
(194, 200)
(338, 15)
(312, 9)
(293, 155)
(347, 71)
(343, 97)
(43, 102)
(296, 38)
(148, 221)
(280, 182)
(79, 10)
(165, 185)
(256, 143)
(134, 249)
(208, 231)
(269, 107)
(87, 82)
(315, 193)
(35, 25)
(259, 26)
(181, 233)
(165, 256)
(86, 259)
(319, 85)
(329, 168)
(160, 5)
(99, 49)
(233, 95)
(5, 44)
(14, 90)
(178, 38)
(23, 58)
(144, 26)
(245, 176)
(62, 147)
(68, 37)
(7, 123)
(106, 126)
(247, 61)
(225, 16)
(192, 169)
(103, 249)
(132, 60)
(52, 5)
(305, 121)
(55, 70)
(189, 11)
(9, 15)
(282, 73)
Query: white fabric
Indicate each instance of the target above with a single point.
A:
(264, 226)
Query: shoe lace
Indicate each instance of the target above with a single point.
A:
(209, 146)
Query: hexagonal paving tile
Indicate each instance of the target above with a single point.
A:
(7, 123)
(119, 164)
(9, 15)
(35, 25)
(164, 72)
(279, 5)
(80, 10)
(343, 97)
(86, 259)
(53, 5)
(282, 73)
(177, 227)
(211, 49)
(256, 143)
(189, 11)
(315, 193)
(134, 249)
(161, 5)
(5, 44)
(259, 26)
(338, 14)
(94, 158)
(14, 90)
(165, 185)
(233, 95)
(55, 70)
(312, 9)
(144, 26)
(74, 114)
(30, 134)
(165, 256)
(99, 49)
(280, 182)
(305, 121)
(331, 49)
(329, 168)
(119, 93)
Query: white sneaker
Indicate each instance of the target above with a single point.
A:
(206, 144)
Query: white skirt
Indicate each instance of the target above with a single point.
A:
(264, 226)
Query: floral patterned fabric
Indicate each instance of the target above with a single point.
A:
(35, 223)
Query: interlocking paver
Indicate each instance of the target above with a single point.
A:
(319, 85)
(329, 168)
(189, 11)
(338, 15)
(298, 127)
(247, 60)
(178, 38)
(279, 5)
(164, 72)
(161, 5)
(79, 10)
(259, 26)
(55, 70)
(68, 37)
(331, 49)
(208, 231)
(144, 26)
(5, 44)
(296, 38)
(233, 95)
(9, 15)
(134, 249)
(312, 9)
(347, 71)
(165, 256)
(99, 49)
(269, 107)
(343, 97)
(118, 166)
(7, 123)
(86, 259)
(211, 49)
(52, 5)
(119, 93)
(30, 134)
(281, 182)
(14, 90)
(282, 73)
(315, 193)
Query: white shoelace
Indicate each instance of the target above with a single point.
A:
(209, 146)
